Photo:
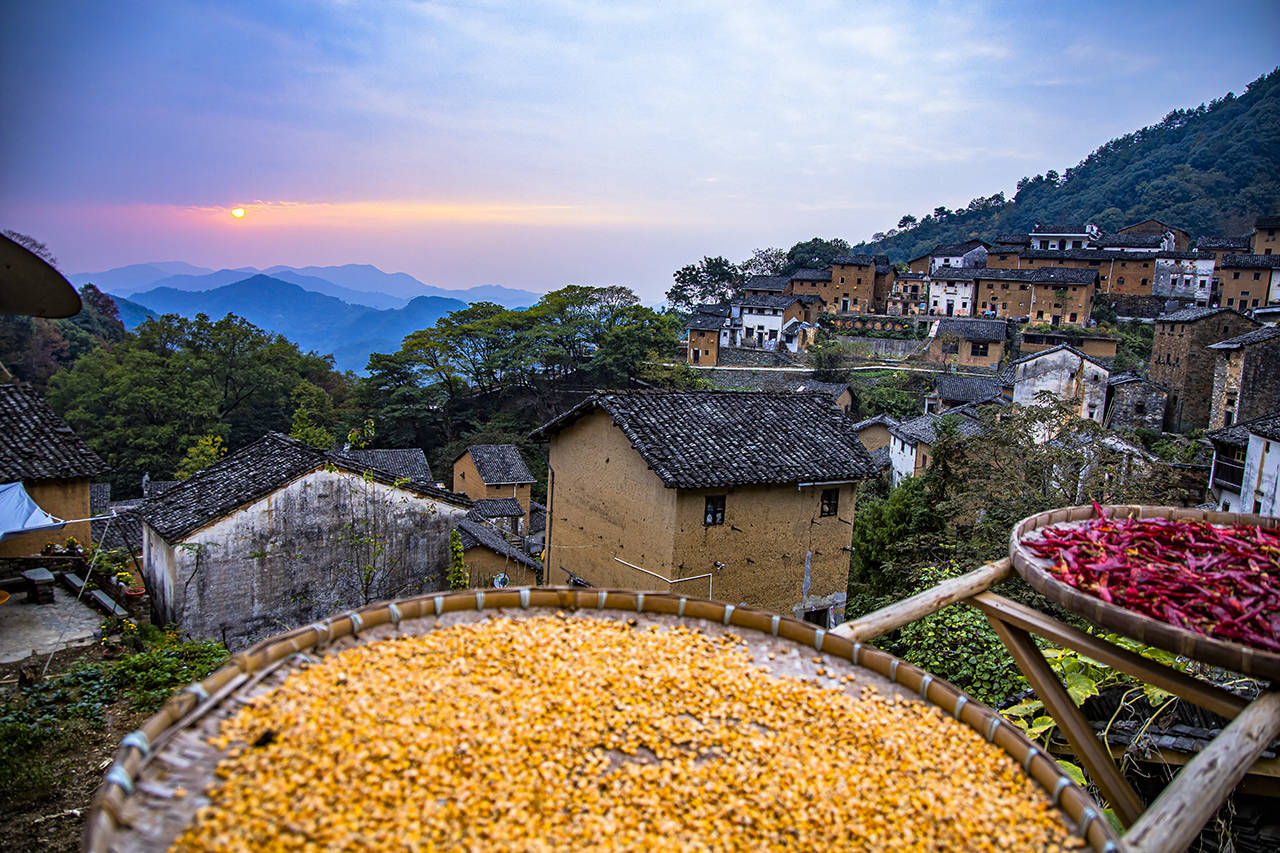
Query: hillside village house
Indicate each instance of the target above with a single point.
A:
(1248, 281)
(1179, 240)
(911, 441)
(495, 471)
(1182, 361)
(1246, 377)
(1134, 403)
(279, 533)
(970, 253)
(951, 390)
(1053, 235)
(1095, 344)
(54, 465)
(1246, 466)
(1265, 239)
(859, 283)
(493, 561)
(969, 342)
(737, 495)
(1067, 374)
(799, 381)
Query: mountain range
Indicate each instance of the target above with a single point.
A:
(347, 311)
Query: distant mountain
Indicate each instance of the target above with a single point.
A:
(369, 277)
(131, 313)
(135, 277)
(1208, 170)
(312, 320)
(211, 280)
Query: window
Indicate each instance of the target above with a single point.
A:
(1144, 282)
(715, 511)
(817, 617)
(830, 502)
(1257, 276)
(1235, 275)
(1120, 281)
(1039, 315)
(1072, 318)
(978, 348)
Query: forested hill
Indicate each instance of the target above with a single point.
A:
(1208, 170)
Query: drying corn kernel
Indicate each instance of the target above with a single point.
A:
(550, 733)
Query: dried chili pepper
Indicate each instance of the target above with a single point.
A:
(1220, 581)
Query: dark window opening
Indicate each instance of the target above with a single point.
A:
(715, 510)
(977, 348)
(830, 502)
(816, 617)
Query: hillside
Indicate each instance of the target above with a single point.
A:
(1209, 170)
(312, 320)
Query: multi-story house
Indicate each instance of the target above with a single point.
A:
(1066, 373)
(908, 295)
(705, 331)
(1053, 295)
(765, 317)
(951, 291)
(1063, 235)
(911, 442)
(860, 284)
(1182, 361)
(765, 285)
(736, 495)
(970, 253)
(1184, 276)
(494, 471)
(1265, 239)
(969, 342)
(1248, 281)
(1246, 377)
(1135, 242)
(1123, 273)
(1181, 239)
(814, 282)
(1246, 466)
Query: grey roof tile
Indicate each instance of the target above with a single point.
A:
(770, 380)
(1058, 228)
(810, 275)
(705, 322)
(1060, 347)
(768, 300)
(967, 389)
(1266, 426)
(973, 329)
(1253, 262)
(498, 508)
(1191, 315)
(1223, 244)
(475, 534)
(881, 420)
(1257, 336)
(37, 444)
(499, 464)
(1132, 241)
(408, 462)
(537, 517)
(706, 439)
(924, 428)
(775, 283)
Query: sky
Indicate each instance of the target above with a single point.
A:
(537, 144)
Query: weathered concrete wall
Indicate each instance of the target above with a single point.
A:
(1135, 405)
(887, 347)
(1259, 379)
(1068, 377)
(606, 503)
(61, 499)
(328, 541)
(1261, 486)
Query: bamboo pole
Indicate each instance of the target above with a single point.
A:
(1182, 809)
(908, 610)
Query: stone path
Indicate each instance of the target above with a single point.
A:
(34, 628)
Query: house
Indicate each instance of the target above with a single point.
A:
(1248, 281)
(1127, 273)
(1053, 295)
(704, 338)
(408, 462)
(765, 317)
(765, 285)
(493, 561)
(860, 284)
(874, 431)
(1261, 481)
(740, 496)
(908, 295)
(53, 464)
(813, 282)
(1092, 343)
(951, 291)
(1134, 403)
(1182, 361)
(494, 471)
(280, 533)
(1067, 374)
(1135, 242)
(969, 342)
(1226, 477)
(1006, 248)
(1223, 245)
(1181, 240)
(1265, 239)
(1063, 235)
(1185, 276)
(1246, 377)
(970, 253)
(911, 442)
(952, 389)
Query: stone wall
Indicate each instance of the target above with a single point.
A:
(1135, 405)
(326, 542)
(883, 347)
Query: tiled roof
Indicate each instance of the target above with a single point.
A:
(153, 488)
(1173, 254)
(408, 462)
(36, 444)
(1132, 241)
(705, 322)
(925, 427)
(880, 458)
(882, 420)
(1126, 378)
(1267, 426)
(715, 309)
(771, 380)
(968, 389)
(1236, 435)
(1191, 315)
(537, 517)
(1252, 262)
(1257, 336)
(122, 533)
(475, 534)
(768, 300)
(1223, 244)
(1267, 222)
(1034, 275)
(912, 276)
(1013, 240)
(856, 260)
(974, 329)
(953, 249)
(99, 498)
(754, 357)
(1005, 376)
(810, 275)
(498, 508)
(1058, 348)
(249, 474)
(702, 439)
(1058, 228)
(767, 282)
(1086, 255)
(499, 464)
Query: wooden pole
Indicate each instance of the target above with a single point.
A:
(908, 610)
(1182, 809)
(1095, 757)
(1206, 695)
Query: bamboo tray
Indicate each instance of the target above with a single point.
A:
(135, 808)
(1224, 653)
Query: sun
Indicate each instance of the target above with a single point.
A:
(237, 212)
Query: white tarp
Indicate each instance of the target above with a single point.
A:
(19, 514)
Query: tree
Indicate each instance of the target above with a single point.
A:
(771, 261)
(312, 415)
(907, 221)
(710, 280)
(32, 245)
(207, 450)
(816, 253)
(458, 575)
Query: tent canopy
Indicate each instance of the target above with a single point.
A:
(19, 514)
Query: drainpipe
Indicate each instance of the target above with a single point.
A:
(546, 546)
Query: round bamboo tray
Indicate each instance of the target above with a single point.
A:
(136, 808)
(1224, 653)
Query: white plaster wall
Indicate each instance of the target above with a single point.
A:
(1068, 377)
(902, 456)
(1261, 476)
(960, 293)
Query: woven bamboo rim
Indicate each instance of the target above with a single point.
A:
(1224, 653)
(104, 827)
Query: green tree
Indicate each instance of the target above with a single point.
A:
(458, 576)
(312, 415)
(710, 280)
(816, 253)
(207, 450)
(770, 261)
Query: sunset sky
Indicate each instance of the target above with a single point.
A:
(535, 144)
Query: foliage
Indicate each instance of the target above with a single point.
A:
(312, 415)
(1209, 170)
(879, 529)
(897, 393)
(710, 280)
(35, 348)
(142, 402)
(207, 450)
(458, 577)
(816, 253)
(769, 261)
(829, 361)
